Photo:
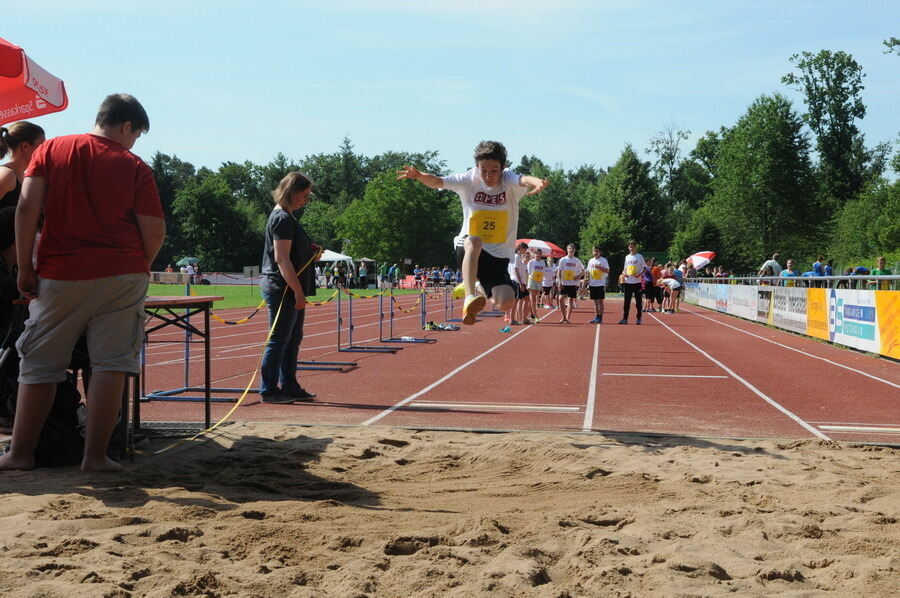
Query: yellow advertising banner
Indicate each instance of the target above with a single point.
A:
(887, 307)
(817, 313)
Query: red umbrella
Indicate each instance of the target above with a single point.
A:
(547, 248)
(26, 89)
(701, 258)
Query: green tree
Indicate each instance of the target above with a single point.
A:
(763, 200)
(706, 152)
(556, 213)
(832, 83)
(701, 234)
(666, 146)
(629, 190)
(691, 188)
(171, 175)
(606, 228)
(869, 225)
(399, 219)
(320, 223)
(215, 230)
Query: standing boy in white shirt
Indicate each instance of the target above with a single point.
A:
(569, 271)
(597, 271)
(631, 281)
(490, 195)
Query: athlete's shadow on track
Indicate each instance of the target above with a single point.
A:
(653, 442)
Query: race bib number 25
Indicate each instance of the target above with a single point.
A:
(490, 225)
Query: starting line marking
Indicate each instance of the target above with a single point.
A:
(881, 429)
(667, 375)
(756, 391)
(495, 406)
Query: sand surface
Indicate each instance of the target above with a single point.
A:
(276, 510)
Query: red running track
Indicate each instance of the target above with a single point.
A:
(695, 373)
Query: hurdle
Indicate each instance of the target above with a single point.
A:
(448, 306)
(351, 348)
(407, 339)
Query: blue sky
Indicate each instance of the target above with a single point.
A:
(569, 81)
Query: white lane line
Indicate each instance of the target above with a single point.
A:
(666, 375)
(592, 386)
(433, 385)
(752, 388)
(840, 365)
(894, 430)
(492, 407)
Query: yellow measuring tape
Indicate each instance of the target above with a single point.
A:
(249, 384)
(372, 296)
(406, 311)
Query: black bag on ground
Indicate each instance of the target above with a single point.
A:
(61, 442)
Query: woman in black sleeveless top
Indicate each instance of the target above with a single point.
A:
(19, 140)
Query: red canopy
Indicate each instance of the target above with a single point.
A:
(26, 89)
(547, 248)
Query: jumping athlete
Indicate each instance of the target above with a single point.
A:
(490, 195)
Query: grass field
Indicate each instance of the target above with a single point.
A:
(246, 295)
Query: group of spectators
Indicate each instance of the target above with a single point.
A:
(793, 276)
(436, 277)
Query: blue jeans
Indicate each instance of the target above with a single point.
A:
(279, 362)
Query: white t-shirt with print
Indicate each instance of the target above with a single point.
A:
(596, 276)
(570, 269)
(634, 265)
(491, 213)
(536, 269)
(550, 275)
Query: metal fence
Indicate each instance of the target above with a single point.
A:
(890, 282)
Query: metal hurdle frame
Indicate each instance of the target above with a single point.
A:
(408, 340)
(351, 348)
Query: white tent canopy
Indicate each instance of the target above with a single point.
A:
(333, 256)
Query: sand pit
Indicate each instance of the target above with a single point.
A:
(275, 510)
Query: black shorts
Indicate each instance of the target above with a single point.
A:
(492, 271)
(598, 292)
(570, 290)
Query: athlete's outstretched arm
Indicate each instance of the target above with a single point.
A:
(537, 185)
(429, 180)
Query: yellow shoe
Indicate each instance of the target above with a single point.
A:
(471, 308)
(459, 291)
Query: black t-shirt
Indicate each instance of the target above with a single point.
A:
(282, 226)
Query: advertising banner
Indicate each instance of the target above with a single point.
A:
(887, 313)
(852, 320)
(721, 297)
(789, 308)
(817, 314)
(764, 305)
(742, 301)
(707, 295)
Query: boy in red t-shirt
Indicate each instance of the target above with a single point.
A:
(103, 226)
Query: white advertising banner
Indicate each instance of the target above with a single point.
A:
(852, 319)
(742, 301)
(789, 308)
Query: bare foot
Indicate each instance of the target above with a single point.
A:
(104, 464)
(8, 463)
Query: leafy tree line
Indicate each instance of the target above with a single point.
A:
(800, 182)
